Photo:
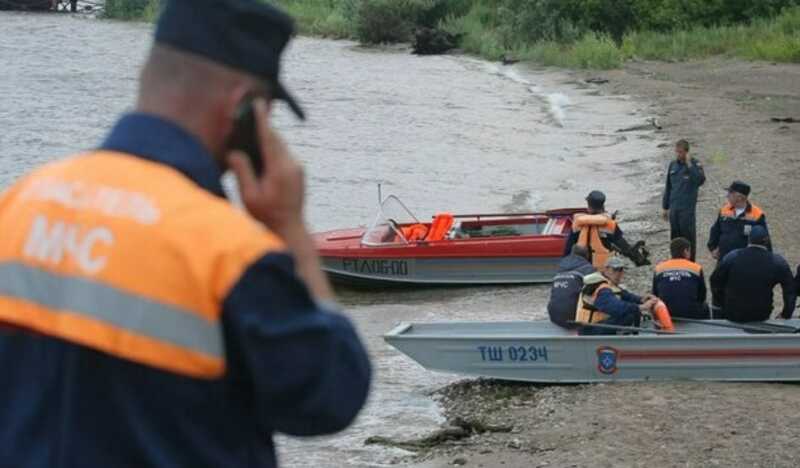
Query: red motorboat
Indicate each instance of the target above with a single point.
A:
(399, 249)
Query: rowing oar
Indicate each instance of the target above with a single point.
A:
(622, 328)
(763, 328)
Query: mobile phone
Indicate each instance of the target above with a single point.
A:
(245, 135)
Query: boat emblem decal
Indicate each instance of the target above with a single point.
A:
(607, 359)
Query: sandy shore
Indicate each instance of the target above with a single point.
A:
(724, 108)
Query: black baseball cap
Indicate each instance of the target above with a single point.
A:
(596, 199)
(247, 35)
(739, 187)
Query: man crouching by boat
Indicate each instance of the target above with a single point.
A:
(567, 286)
(599, 233)
(745, 278)
(604, 302)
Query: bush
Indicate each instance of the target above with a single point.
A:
(597, 51)
(380, 21)
(132, 9)
(327, 18)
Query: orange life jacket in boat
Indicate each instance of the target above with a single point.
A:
(415, 232)
(587, 312)
(661, 314)
(442, 223)
(593, 228)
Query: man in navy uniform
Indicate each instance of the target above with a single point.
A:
(746, 277)
(144, 320)
(685, 175)
(734, 222)
(567, 285)
(679, 282)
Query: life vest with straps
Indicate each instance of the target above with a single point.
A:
(127, 257)
(441, 223)
(587, 312)
(593, 228)
(415, 232)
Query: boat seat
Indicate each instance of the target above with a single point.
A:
(440, 226)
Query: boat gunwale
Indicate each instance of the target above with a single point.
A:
(400, 332)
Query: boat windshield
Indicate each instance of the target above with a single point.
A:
(385, 229)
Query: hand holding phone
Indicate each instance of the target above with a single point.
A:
(245, 135)
(276, 197)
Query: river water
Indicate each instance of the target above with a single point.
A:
(443, 133)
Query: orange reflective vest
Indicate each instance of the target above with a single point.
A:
(587, 312)
(592, 229)
(441, 223)
(679, 264)
(415, 232)
(753, 214)
(125, 256)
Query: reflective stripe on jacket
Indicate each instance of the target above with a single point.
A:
(680, 283)
(71, 231)
(731, 232)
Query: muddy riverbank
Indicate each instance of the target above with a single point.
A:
(726, 110)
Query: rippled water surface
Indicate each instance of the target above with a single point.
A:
(443, 133)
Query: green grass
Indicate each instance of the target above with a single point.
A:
(486, 30)
(325, 18)
(776, 40)
(132, 10)
(481, 35)
(592, 51)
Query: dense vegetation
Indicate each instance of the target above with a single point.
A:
(571, 33)
(131, 9)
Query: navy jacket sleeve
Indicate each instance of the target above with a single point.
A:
(667, 189)
(797, 280)
(696, 173)
(307, 368)
(571, 240)
(786, 280)
(628, 296)
(762, 221)
(713, 237)
(702, 292)
(655, 285)
(610, 304)
(719, 277)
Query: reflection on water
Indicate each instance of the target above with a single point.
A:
(444, 133)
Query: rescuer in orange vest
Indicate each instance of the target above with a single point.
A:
(598, 231)
(680, 282)
(144, 320)
(603, 301)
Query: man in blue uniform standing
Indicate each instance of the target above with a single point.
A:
(746, 277)
(732, 228)
(685, 175)
(144, 320)
(734, 222)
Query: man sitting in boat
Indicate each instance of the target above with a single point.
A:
(746, 277)
(797, 281)
(680, 283)
(599, 232)
(604, 302)
(567, 285)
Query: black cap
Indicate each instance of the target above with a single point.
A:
(758, 235)
(247, 35)
(739, 187)
(596, 199)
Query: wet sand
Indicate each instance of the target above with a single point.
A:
(724, 108)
